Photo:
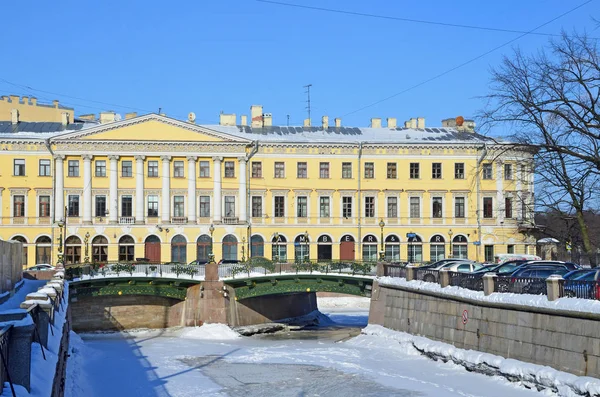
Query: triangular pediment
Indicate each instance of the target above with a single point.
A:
(152, 127)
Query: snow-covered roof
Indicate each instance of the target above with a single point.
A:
(40, 130)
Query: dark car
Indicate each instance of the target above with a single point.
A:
(532, 280)
(585, 285)
(575, 274)
(568, 265)
(505, 269)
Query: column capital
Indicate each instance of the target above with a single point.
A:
(140, 158)
(165, 158)
(113, 157)
(217, 159)
(192, 158)
(87, 157)
(59, 157)
(242, 159)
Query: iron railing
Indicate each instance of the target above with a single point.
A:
(4, 363)
(585, 289)
(466, 280)
(392, 270)
(427, 275)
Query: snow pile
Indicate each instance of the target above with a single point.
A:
(209, 331)
(529, 375)
(76, 380)
(343, 302)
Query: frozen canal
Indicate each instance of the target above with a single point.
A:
(326, 362)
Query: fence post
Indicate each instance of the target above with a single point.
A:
(380, 269)
(410, 273)
(19, 355)
(444, 278)
(553, 287)
(488, 283)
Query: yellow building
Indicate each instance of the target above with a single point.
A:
(158, 188)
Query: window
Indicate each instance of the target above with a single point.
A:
(126, 248)
(459, 207)
(230, 206)
(369, 170)
(204, 169)
(392, 171)
(508, 171)
(280, 206)
(73, 208)
(301, 248)
(99, 249)
(487, 171)
(179, 249)
(460, 247)
(203, 249)
(256, 169)
(323, 170)
(347, 170)
(508, 210)
(302, 170)
(347, 207)
(415, 207)
(415, 249)
(414, 171)
(279, 169)
(18, 206)
(459, 170)
(44, 167)
(436, 207)
(153, 169)
(72, 250)
(437, 248)
(229, 169)
(19, 169)
(324, 207)
(44, 202)
(73, 168)
(127, 169)
(392, 248)
(436, 171)
(256, 207)
(42, 250)
(489, 253)
(510, 249)
(302, 204)
(100, 206)
(178, 206)
(369, 207)
(100, 168)
(279, 249)
(152, 206)
(126, 206)
(230, 247)
(178, 169)
(204, 206)
(392, 207)
(488, 207)
(369, 248)
(257, 246)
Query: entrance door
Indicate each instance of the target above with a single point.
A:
(152, 249)
(324, 248)
(347, 248)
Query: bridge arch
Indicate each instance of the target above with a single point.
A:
(179, 249)
(437, 247)
(230, 247)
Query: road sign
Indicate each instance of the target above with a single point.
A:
(411, 235)
(465, 317)
(476, 242)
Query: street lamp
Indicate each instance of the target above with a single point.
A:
(307, 256)
(243, 249)
(61, 225)
(381, 251)
(276, 256)
(86, 241)
(450, 233)
(211, 255)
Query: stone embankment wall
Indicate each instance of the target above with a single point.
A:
(270, 308)
(565, 340)
(11, 271)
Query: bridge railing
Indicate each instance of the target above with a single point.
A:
(134, 269)
(4, 362)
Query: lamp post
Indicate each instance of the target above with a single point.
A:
(382, 250)
(86, 240)
(450, 233)
(211, 254)
(307, 256)
(276, 256)
(243, 249)
(61, 225)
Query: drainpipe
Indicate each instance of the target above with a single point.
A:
(359, 242)
(52, 207)
(478, 212)
(248, 197)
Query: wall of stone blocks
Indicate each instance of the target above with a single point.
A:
(270, 308)
(567, 341)
(11, 271)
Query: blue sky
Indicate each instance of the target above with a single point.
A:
(213, 56)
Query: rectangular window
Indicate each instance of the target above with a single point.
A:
(489, 253)
(347, 207)
(508, 171)
(100, 168)
(44, 206)
(392, 207)
(73, 208)
(126, 169)
(510, 249)
(459, 170)
(44, 167)
(100, 206)
(204, 169)
(324, 170)
(508, 210)
(256, 207)
(302, 207)
(178, 169)
(204, 206)
(302, 170)
(178, 206)
(19, 167)
(324, 207)
(369, 207)
(126, 206)
(73, 168)
(459, 207)
(18, 206)
(436, 171)
(369, 170)
(436, 207)
(415, 207)
(487, 171)
(229, 169)
(392, 172)
(153, 169)
(347, 170)
(414, 171)
(279, 169)
(279, 206)
(152, 206)
(256, 169)
(488, 211)
(230, 206)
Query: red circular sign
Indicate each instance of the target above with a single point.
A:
(465, 317)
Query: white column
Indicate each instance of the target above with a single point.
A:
(87, 189)
(500, 192)
(114, 190)
(165, 214)
(59, 194)
(242, 189)
(192, 188)
(139, 189)
(217, 189)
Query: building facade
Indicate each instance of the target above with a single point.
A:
(169, 190)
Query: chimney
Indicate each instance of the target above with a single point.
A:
(34, 101)
(14, 99)
(256, 116)
(376, 122)
(421, 123)
(450, 123)
(227, 119)
(107, 117)
(469, 126)
(338, 122)
(391, 122)
(307, 122)
(244, 120)
(412, 123)
(25, 100)
(55, 103)
(325, 122)
(64, 118)
(14, 116)
(130, 115)
(267, 119)
(87, 117)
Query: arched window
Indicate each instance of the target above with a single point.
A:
(324, 248)
(415, 248)
(43, 248)
(392, 248)
(279, 249)
(301, 248)
(179, 249)
(257, 246)
(437, 248)
(99, 249)
(369, 248)
(126, 249)
(22, 240)
(460, 247)
(152, 248)
(230, 248)
(72, 250)
(203, 248)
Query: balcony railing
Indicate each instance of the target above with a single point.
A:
(179, 220)
(127, 220)
(231, 220)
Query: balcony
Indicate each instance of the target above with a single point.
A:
(127, 220)
(179, 220)
(231, 220)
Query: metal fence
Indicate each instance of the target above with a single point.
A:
(4, 364)
(466, 280)
(391, 270)
(580, 289)
(427, 275)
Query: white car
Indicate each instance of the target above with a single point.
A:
(463, 267)
(42, 267)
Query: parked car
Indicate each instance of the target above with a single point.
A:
(568, 265)
(575, 274)
(41, 267)
(586, 285)
(502, 258)
(228, 262)
(197, 262)
(463, 267)
(532, 280)
(432, 272)
(442, 262)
